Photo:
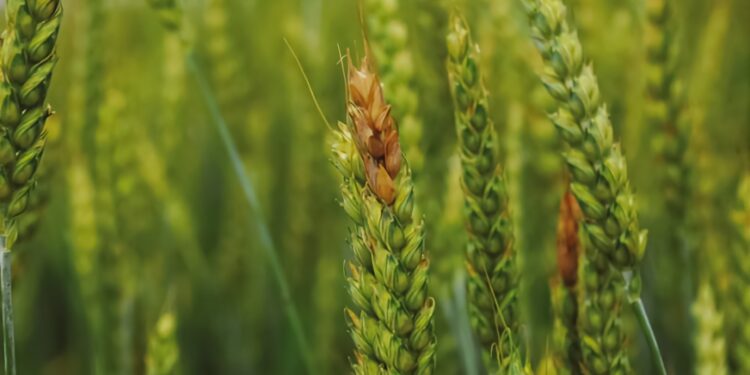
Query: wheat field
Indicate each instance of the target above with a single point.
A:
(375, 187)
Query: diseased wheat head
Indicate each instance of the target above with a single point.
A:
(393, 330)
(614, 241)
(392, 54)
(566, 296)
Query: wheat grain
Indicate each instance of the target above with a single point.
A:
(391, 53)
(491, 257)
(614, 240)
(393, 331)
(28, 58)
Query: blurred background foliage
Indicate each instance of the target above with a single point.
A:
(143, 231)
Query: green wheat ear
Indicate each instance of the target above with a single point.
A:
(614, 242)
(664, 106)
(163, 352)
(389, 35)
(663, 110)
(709, 343)
(27, 59)
(490, 255)
(740, 346)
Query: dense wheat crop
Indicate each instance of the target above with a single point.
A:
(375, 187)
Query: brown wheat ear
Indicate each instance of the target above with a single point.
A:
(568, 242)
(376, 135)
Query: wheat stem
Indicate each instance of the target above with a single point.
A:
(171, 18)
(469, 350)
(9, 348)
(251, 199)
(643, 322)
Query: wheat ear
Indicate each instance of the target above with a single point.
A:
(709, 343)
(663, 109)
(163, 352)
(614, 241)
(664, 105)
(28, 58)
(490, 255)
(393, 330)
(392, 55)
(740, 346)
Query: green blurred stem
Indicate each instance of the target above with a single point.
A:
(252, 202)
(454, 307)
(640, 313)
(9, 348)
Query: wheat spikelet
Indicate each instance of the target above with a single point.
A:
(390, 49)
(28, 58)
(614, 240)
(393, 330)
(39, 198)
(491, 257)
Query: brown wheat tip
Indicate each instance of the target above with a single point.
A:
(376, 134)
(568, 243)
